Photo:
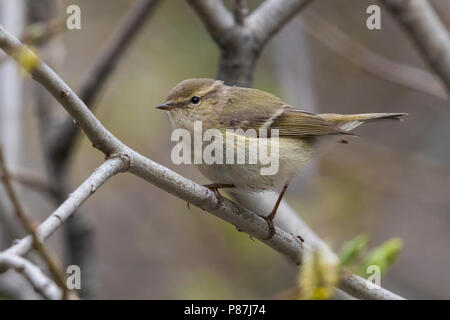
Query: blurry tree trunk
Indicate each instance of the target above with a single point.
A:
(11, 16)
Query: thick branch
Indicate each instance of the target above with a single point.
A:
(427, 31)
(272, 15)
(216, 18)
(387, 69)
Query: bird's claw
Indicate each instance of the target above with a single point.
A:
(214, 187)
(270, 225)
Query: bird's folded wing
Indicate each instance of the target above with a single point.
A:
(300, 124)
(289, 122)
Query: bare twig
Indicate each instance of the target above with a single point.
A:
(43, 285)
(121, 157)
(272, 15)
(427, 31)
(109, 168)
(31, 180)
(38, 34)
(37, 244)
(393, 71)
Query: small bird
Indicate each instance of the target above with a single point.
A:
(222, 107)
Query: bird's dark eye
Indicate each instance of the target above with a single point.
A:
(195, 100)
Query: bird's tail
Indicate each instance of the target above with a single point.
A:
(349, 122)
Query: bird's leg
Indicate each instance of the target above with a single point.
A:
(271, 216)
(214, 187)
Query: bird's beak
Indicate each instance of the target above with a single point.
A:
(165, 106)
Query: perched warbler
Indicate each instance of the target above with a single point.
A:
(289, 134)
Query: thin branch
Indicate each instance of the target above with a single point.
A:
(216, 18)
(37, 244)
(427, 31)
(30, 179)
(272, 15)
(38, 34)
(358, 287)
(244, 220)
(108, 169)
(393, 71)
(40, 282)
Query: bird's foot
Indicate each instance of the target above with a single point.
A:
(270, 225)
(214, 187)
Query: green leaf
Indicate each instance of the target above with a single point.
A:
(383, 256)
(352, 249)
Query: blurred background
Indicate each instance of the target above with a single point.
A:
(393, 181)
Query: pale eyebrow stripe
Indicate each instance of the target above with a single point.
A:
(212, 88)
